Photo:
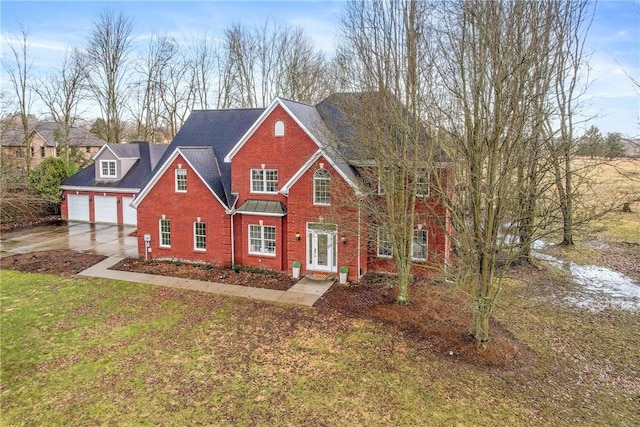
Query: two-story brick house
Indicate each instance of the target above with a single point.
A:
(261, 188)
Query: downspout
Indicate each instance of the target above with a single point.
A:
(233, 250)
(359, 248)
(232, 212)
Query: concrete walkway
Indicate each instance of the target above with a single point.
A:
(305, 292)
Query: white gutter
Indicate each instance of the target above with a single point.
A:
(100, 189)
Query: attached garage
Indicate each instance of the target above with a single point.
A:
(105, 209)
(129, 214)
(78, 207)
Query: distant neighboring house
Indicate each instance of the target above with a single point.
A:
(254, 187)
(43, 142)
(103, 191)
(632, 146)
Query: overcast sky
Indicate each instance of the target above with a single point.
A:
(55, 26)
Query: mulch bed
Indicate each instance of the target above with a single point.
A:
(207, 272)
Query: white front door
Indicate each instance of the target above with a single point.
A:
(322, 251)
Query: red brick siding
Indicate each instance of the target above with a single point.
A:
(285, 153)
(301, 211)
(183, 209)
(241, 233)
(434, 217)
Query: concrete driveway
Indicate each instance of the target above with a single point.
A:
(102, 239)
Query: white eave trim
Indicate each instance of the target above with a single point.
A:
(143, 193)
(296, 176)
(106, 146)
(251, 130)
(100, 189)
(286, 187)
(260, 213)
(277, 101)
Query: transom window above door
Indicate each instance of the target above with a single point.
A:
(264, 180)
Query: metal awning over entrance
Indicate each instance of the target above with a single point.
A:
(262, 207)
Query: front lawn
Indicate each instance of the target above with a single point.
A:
(79, 351)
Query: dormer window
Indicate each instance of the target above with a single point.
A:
(181, 180)
(279, 128)
(108, 169)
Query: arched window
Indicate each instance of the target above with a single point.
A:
(321, 187)
(279, 128)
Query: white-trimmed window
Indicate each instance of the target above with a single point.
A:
(423, 183)
(181, 180)
(262, 240)
(200, 236)
(165, 233)
(419, 246)
(321, 187)
(278, 129)
(264, 180)
(108, 169)
(385, 248)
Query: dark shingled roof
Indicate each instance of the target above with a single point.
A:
(333, 112)
(219, 130)
(203, 160)
(79, 137)
(135, 177)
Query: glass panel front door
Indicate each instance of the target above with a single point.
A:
(321, 245)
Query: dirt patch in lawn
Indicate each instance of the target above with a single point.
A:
(438, 319)
(63, 263)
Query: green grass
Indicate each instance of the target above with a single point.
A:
(91, 351)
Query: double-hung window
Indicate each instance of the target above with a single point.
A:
(181, 180)
(419, 246)
(107, 169)
(385, 248)
(264, 181)
(200, 235)
(422, 184)
(165, 233)
(262, 240)
(321, 187)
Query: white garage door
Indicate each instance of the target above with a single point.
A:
(78, 207)
(129, 215)
(106, 209)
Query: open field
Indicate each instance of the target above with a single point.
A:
(90, 351)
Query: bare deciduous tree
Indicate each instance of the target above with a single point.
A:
(264, 62)
(572, 24)
(62, 93)
(19, 74)
(108, 49)
(493, 105)
(383, 53)
(146, 102)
